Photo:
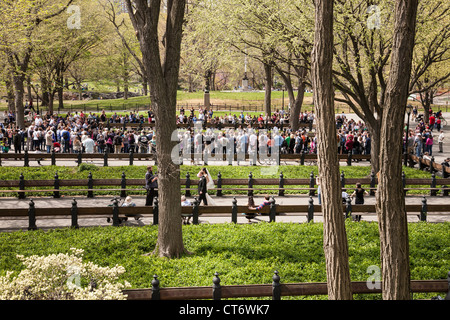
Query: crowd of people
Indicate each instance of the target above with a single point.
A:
(91, 133)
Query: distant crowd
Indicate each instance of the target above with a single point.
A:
(90, 133)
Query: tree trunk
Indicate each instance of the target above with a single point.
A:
(390, 197)
(163, 79)
(268, 90)
(335, 238)
(19, 91)
(10, 92)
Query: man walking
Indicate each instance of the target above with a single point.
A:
(441, 141)
(151, 182)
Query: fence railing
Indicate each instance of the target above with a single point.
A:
(26, 157)
(119, 214)
(248, 185)
(276, 290)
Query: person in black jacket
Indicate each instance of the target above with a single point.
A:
(202, 190)
(151, 183)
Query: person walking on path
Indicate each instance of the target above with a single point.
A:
(151, 183)
(441, 141)
(358, 194)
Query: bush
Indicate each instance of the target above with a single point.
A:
(62, 277)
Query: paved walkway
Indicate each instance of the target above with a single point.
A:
(21, 223)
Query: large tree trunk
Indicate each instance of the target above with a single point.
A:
(268, 90)
(335, 238)
(19, 91)
(390, 198)
(163, 80)
(10, 92)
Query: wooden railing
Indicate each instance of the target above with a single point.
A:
(249, 185)
(117, 213)
(275, 290)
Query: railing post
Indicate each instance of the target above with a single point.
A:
(433, 190)
(26, 162)
(343, 180)
(195, 211)
(115, 214)
(276, 286)
(273, 210)
(90, 186)
(56, 194)
(349, 158)
(187, 193)
(123, 185)
(131, 156)
(348, 208)
(155, 211)
(424, 210)
(53, 157)
(310, 209)
(281, 185)
(155, 288)
(79, 158)
(32, 216)
(219, 185)
(372, 183)
(312, 183)
(302, 158)
(74, 214)
(234, 211)
(21, 186)
(217, 289)
(250, 185)
(105, 156)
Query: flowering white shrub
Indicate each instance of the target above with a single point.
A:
(62, 277)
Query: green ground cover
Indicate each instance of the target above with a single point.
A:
(241, 254)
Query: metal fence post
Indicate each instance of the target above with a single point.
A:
(250, 185)
(433, 190)
(424, 210)
(74, 214)
(155, 211)
(310, 209)
(155, 288)
(217, 289)
(273, 210)
(348, 208)
(32, 216)
(349, 158)
(312, 183)
(195, 211)
(372, 183)
(53, 158)
(234, 211)
(131, 156)
(21, 186)
(26, 162)
(105, 157)
(276, 286)
(56, 186)
(90, 186)
(219, 185)
(281, 185)
(115, 214)
(123, 186)
(187, 193)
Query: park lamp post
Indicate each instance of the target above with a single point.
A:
(408, 112)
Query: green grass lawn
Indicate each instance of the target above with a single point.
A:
(241, 254)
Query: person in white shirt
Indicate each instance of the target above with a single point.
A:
(441, 141)
(89, 145)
